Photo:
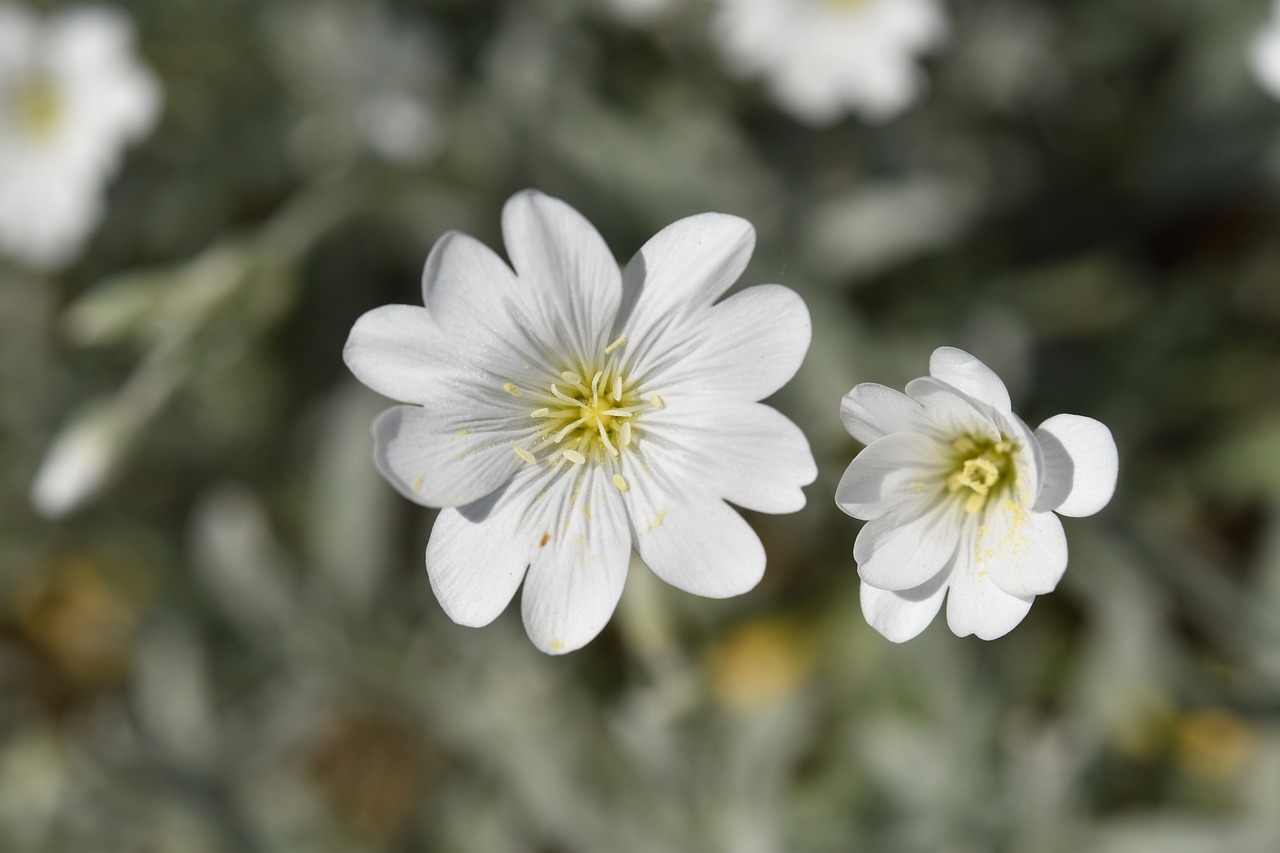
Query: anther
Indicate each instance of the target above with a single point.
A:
(617, 388)
(541, 413)
(571, 377)
(615, 345)
(524, 454)
(658, 402)
(624, 434)
(575, 457)
(511, 389)
(620, 482)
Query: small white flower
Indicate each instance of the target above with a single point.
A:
(1264, 54)
(823, 58)
(564, 413)
(72, 94)
(959, 494)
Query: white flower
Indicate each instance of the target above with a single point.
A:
(72, 94)
(1264, 54)
(959, 494)
(822, 58)
(564, 413)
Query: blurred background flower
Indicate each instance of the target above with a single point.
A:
(217, 633)
(72, 93)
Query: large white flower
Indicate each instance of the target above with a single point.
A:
(823, 58)
(1264, 54)
(566, 412)
(960, 495)
(72, 93)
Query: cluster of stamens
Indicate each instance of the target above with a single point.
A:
(983, 468)
(588, 415)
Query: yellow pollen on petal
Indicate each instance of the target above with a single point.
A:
(616, 345)
(511, 389)
(524, 454)
(620, 482)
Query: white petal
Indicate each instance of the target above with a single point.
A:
(901, 615)
(695, 542)
(904, 549)
(568, 278)
(746, 453)
(1081, 465)
(976, 605)
(948, 412)
(872, 411)
(961, 370)
(432, 461)
(1024, 553)
(686, 265)
(399, 352)
(762, 461)
(475, 301)
(1027, 458)
(892, 472)
(577, 576)
(477, 556)
(746, 347)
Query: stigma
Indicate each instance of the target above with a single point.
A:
(981, 470)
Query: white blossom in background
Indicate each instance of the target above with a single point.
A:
(1264, 54)
(822, 59)
(566, 412)
(72, 95)
(80, 460)
(365, 80)
(959, 495)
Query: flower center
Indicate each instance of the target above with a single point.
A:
(37, 107)
(982, 469)
(587, 415)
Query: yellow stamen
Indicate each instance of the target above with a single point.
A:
(571, 377)
(524, 454)
(575, 457)
(620, 482)
(511, 389)
(658, 402)
(616, 345)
